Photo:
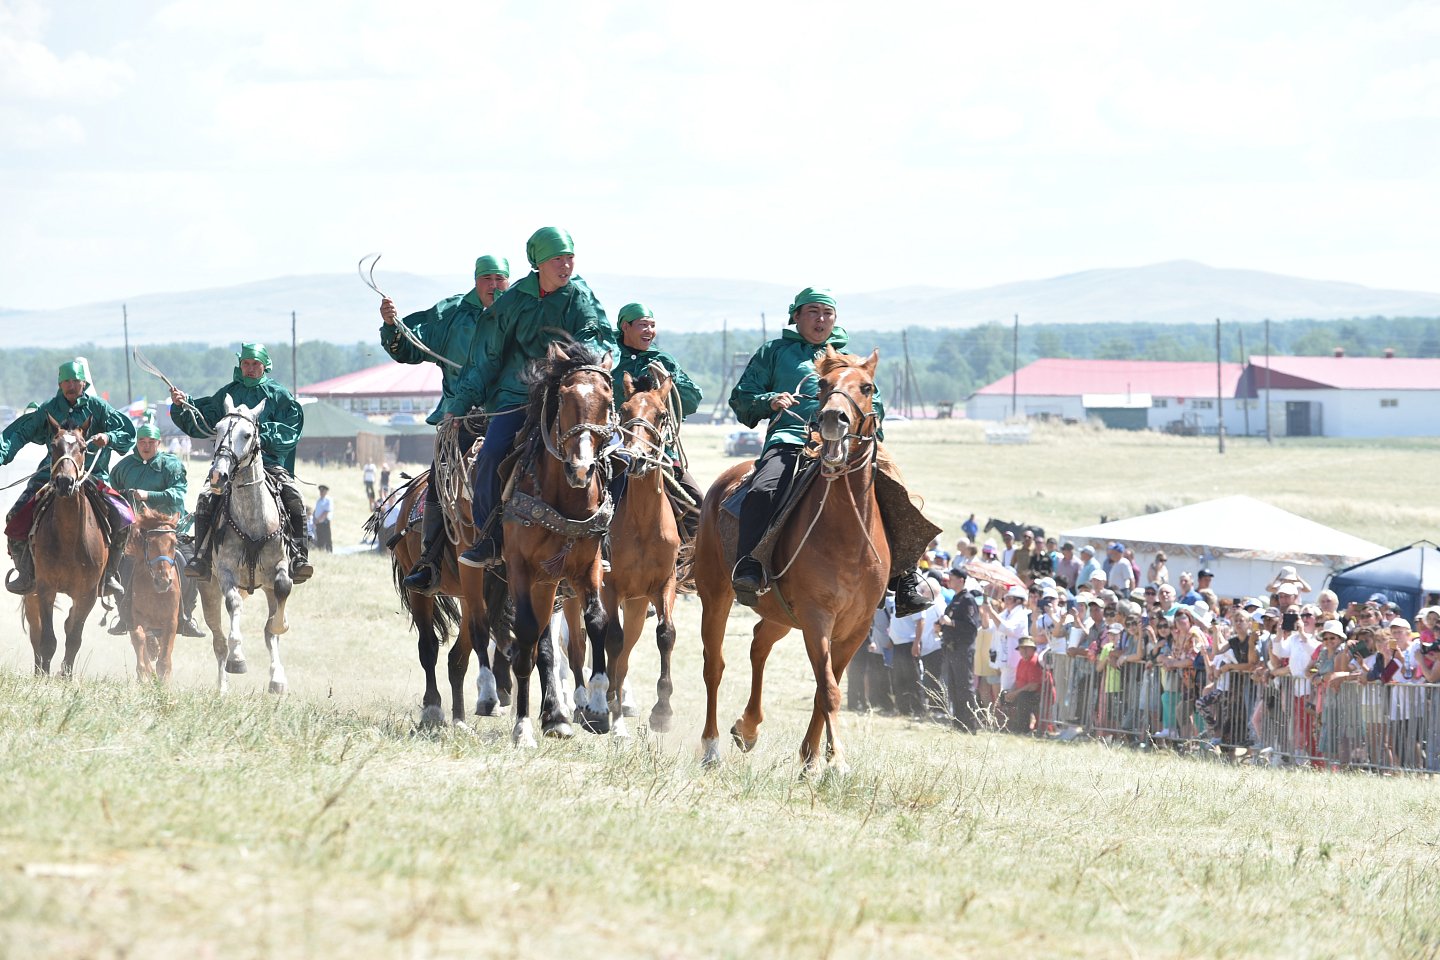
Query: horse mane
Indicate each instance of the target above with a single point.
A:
(145, 521)
(829, 363)
(542, 375)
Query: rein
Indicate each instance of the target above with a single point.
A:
(253, 545)
(602, 430)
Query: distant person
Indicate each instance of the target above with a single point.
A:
(1088, 566)
(384, 480)
(1120, 575)
(367, 474)
(323, 508)
(971, 528)
(1067, 568)
(1158, 572)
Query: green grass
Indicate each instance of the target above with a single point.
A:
(137, 821)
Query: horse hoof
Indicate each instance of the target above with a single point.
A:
(595, 722)
(619, 729)
(745, 745)
(711, 756)
(522, 736)
(236, 666)
(558, 729)
(432, 718)
(660, 722)
(504, 698)
(486, 708)
(276, 686)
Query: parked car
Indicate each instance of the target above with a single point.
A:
(744, 443)
(402, 419)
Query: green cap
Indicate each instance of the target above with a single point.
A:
(254, 351)
(634, 311)
(487, 265)
(76, 369)
(147, 427)
(810, 295)
(546, 244)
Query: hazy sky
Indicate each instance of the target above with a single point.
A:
(148, 146)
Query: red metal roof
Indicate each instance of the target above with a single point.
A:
(1351, 373)
(386, 380)
(1051, 376)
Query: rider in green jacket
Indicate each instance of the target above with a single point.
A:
(110, 432)
(449, 329)
(280, 424)
(779, 384)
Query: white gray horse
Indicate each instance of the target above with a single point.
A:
(248, 549)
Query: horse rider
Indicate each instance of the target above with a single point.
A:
(548, 303)
(154, 478)
(110, 432)
(770, 388)
(279, 425)
(639, 356)
(447, 329)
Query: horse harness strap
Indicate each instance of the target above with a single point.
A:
(529, 511)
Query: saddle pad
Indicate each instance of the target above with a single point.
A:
(805, 475)
(732, 503)
(906, 528)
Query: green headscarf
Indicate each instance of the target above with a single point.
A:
(252, 351)
(148, 428)
(76, 369)
(31, 406)
(548, 243)
(487, 265)
(632, 312)
(811, 295)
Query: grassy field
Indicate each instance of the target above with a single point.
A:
(143, 822)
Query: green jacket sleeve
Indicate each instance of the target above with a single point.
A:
(172, 498)
(284, 420)
(20, 433)
(120, 429)
(752, 394)
(483, 366)
(585, 321)
(423, 324)
(690, 395)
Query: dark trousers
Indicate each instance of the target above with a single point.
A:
(868, 680)
(906, 677)
(773, 473)
(957, 670)
(322, 536)
(1023, 710)
(499, 438)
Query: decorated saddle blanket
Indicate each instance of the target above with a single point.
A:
(107, 501)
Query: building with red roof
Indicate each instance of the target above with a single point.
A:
(1336, 396)
(390, 388)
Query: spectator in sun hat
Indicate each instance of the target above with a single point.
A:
(1088, 565)
(1288, 577)
(1023, 697)
(989, 552)
(1010, 624)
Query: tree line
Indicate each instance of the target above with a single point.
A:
(946, 364)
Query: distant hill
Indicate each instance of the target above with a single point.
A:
(337, 308)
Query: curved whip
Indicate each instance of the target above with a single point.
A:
(367, 276)
(144, 364)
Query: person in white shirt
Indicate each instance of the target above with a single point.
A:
(1010, 624)
(1120, 575)
(914, 638)
(367, 474)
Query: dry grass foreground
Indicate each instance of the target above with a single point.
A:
(157, 823)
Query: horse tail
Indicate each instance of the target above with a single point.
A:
(445, 611)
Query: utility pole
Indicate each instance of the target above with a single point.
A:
(129, 390)
(764, 337)
(1219, 391)
(1268, 437)
(294, 357)
(1243, 365)
(1015, 369)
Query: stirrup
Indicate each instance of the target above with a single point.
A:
(424, 579)
(15, 582)
(300, 571)
(749, 591)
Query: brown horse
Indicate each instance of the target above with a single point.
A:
(153, 594)
(834, 561)
(433, 616)
(69, 550)
(644, 542)
(557, 511)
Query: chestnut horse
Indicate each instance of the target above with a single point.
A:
(69, 550)
(433, 616)
(834, 561)
(644, 543)
(556, 512)
(153, 593)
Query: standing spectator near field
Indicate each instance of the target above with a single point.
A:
(971, 528)
(321, 515)
(869, 685)
(384, 480)
(958, 628)
(367, 473)
(1119, 573)
(1023, 699)
(1010, 624)
(914, 637)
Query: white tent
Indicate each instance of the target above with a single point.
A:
(1243, 540)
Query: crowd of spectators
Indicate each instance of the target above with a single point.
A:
(1046, 639)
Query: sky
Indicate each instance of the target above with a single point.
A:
(163, 146)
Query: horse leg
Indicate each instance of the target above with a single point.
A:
(164, 662)
(595, 716)
(662, 712)
(841, 653)
(817, 628)
(75, 630)
(746, 729)
(235, 655)
(278, 682)
(714, 615)
(554, 720)
(500, 607)
(37, 620)
(279, 594)
(142, 658)
(575, 649)
(210, 609)
(527, 632)
(422, 612)
(472, 626)
(621, 635)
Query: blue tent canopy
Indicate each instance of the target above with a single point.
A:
(1407, 577)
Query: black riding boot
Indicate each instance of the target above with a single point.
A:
(111, 584)
(23, 580)
(425, 575)
(199, 567)
(300, 569)
(748, 578)
(908, 598)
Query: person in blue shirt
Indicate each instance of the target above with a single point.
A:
(971, 528)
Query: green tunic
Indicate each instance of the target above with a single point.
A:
(163, 478)
(787, 365)
(448, 328)
(34, 427)
(280, 422)
(522, 325)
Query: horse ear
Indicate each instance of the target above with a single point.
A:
(85, 427)
(259, 407)
(556, 353)
(229, 404)
(871, 361)
(666, 388)
(607, 362)
(830, 352)
(629, 385)
(54, 424)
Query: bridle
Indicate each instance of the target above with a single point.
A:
(602, 431)
(861, 438)
(160, 558)
(653, 438)
(225, 449)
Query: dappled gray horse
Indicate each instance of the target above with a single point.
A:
(248, 544)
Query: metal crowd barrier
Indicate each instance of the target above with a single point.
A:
(1353, 723)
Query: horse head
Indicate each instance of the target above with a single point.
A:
(847, 403)
(67, 455)
(156, 546)
(645, 422)
(581, 418)
(237, 442)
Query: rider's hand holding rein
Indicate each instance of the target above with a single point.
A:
(388, 313)
(783, 401)
(100, 439)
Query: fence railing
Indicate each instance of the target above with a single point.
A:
(1353, 723)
